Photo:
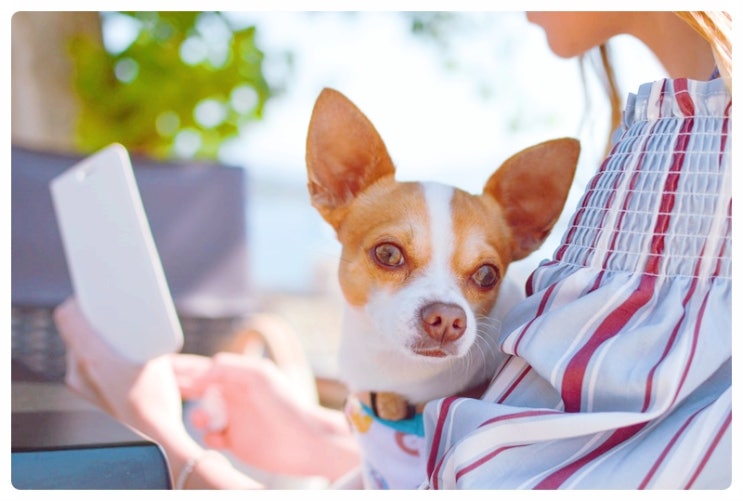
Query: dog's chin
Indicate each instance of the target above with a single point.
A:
(418, 373)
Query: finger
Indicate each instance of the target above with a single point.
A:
(215, 406)
(199, 418)
(207, 414)
(195, 374)
(189, 371)
(188, 363)
(216, 440)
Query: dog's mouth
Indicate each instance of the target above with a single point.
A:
(434, 351)
(427, 352)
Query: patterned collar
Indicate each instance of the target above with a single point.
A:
(390, 407)
(409, 426)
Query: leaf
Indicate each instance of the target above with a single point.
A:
(123, 95)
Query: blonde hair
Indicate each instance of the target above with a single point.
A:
(715, 27)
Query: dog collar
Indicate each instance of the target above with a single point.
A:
(408, 426)
(394, 407)
(389, 406)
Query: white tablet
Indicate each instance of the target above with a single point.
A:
(115, 269)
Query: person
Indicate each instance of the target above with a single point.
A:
(620, 375)
(269, 426)
(619, 366)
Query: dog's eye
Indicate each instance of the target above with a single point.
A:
(486, 276)
(389, 255)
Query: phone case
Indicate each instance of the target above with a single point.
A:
(114, 266)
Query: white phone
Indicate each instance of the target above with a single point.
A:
(114, 266)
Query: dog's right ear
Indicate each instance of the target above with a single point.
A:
(345, 155)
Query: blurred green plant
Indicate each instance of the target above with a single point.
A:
(186, 83)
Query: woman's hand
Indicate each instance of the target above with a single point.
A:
(266, 424)
(145, 396)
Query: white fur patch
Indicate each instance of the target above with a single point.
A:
(439, 279)
(438, 201)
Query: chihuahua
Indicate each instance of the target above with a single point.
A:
(421, 269)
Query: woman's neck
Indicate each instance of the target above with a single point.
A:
(680, 49)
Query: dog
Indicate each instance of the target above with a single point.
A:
(421, 267)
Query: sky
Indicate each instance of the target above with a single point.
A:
(449, 125)
(434, 121)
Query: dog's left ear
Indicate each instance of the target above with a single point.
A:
(531, 187)
(345, 155)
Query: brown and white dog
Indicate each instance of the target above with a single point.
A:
(421, 268)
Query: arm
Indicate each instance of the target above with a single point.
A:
(264, 418)
(144, 397)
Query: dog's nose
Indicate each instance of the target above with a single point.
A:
(444, 322)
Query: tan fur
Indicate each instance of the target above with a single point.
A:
(480, 236)
(373, 217)
(361, 152)
(531, 187)
(421, 319)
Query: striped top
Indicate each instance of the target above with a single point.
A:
(618, 374)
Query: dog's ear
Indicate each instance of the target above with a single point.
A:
(531, 187)
(345, 155)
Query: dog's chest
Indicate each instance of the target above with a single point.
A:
(392, 453)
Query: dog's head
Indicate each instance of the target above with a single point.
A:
(422, 263)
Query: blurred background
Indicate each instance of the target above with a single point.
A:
(453, 95)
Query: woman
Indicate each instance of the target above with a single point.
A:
(620, 375)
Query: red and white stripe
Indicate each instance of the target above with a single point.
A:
(620, 375)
